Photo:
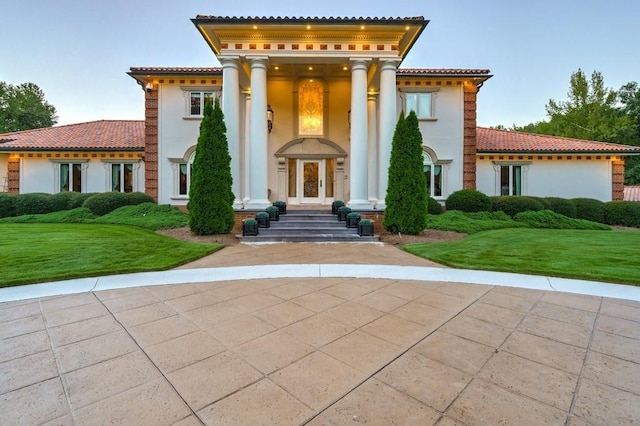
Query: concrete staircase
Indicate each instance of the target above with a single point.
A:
(307, 226)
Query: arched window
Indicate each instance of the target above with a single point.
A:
(433, 174)
(184, 176)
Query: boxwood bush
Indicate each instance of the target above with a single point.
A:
(512, 205)
(622, 213)
(562, 206)
(7, 205)
(62, 200)
(433, 207)
(552, 220)
(469, 200)
(33, 203)
(105, 202)
(589, 209)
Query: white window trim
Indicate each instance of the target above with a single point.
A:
(188, 90)
(188, 158)
(497, 165)
(56, 162)
(107, 165)
(418, 90)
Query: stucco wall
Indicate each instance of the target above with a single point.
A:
(3, 171)
(554, 178)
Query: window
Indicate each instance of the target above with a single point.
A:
(184, 177)
(122, 177)
(70, 177)
(433, 174)
(421, 103)
(310, 108)
(197, 102)
(511, 180)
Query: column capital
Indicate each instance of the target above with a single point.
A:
(389, 63)
(258, 61)
(229, 61)
(360, 63)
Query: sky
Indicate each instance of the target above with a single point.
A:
(78, 51)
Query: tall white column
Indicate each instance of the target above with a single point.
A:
(388, 118)
(259, 177)
(358, 156)
(231, 111)
(372, 149)
(247, 148)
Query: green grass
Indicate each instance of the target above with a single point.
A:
(38, 252)
(591, 255)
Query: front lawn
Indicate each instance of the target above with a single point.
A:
(39, 252)
(611, 256)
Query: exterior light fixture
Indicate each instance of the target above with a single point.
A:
(349, 118)
(269, 118)
(148, 87)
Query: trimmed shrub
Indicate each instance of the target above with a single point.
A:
(512, 205)
(80, 198)
(622, 213)
(105, 202)
(589, 209)
(562, 206)
(469, 200)
(62, 200)
(7, 205)
(545, 203)
(135, 198)
(433, 207)
(33, 203)
(552, 220)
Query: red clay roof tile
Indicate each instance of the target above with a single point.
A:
(493, 141)
(103, 135)
(632, 193)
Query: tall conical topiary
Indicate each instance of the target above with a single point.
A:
(406, 200)
(210, 195)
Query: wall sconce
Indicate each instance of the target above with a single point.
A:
(148, 87)
(349, 118)
(269, 118)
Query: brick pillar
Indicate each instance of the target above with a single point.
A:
(13, 183)
(151, 143)
(469, 143)
(617, 179)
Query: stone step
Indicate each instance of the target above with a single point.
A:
(315, 238)
(307, 229)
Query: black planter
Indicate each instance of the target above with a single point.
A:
(336, 205)
(352, 220)
(249, 227)
(343, 212)
(282, 206)
(263, 220)
(365, 228)
(274, 213)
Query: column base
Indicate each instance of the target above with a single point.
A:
(237, 205)
(380, 205)
(257, 204)
(360, 205)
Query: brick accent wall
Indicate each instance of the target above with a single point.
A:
(617, 180)
(469, 136)
(151, 143)
(240, 216)
(13, 183)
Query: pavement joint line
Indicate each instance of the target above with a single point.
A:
(319, 270)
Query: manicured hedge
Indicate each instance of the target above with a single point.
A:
(33, 203)
(562, 206)
(62, 200)
(512, 205)
(7, 205)
(433, 207)
(622, 213)
(469, 200)
(105, 202)
(552, 220)
(589, 209)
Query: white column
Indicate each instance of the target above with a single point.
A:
(231, 111)
(247, 148)
(388, 118)
(372, 149)
(259, 198)
(358, 156)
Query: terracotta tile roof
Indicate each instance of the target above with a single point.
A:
(175, 70)
(302, 19)
(492, 141)
(632, 193)
(103, 135)
(443, 71)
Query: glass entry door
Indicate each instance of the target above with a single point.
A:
(311, 174)
(311, 181)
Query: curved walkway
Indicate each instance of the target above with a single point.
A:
(319, 334)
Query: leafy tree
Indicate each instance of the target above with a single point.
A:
(630, 99)
(210, 195)
(23, 107)
(406, 200)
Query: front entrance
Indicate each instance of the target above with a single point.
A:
(311, 181)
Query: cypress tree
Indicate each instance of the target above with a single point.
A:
(210, 195)
(406, 200)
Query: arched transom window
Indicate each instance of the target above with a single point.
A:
(310, 108)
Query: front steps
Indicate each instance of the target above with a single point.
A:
(318, 226)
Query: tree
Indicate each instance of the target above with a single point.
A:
(210, 195)
(406, 200)
(630, 99)
(23, 107)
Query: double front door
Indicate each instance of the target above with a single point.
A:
(311, 181)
